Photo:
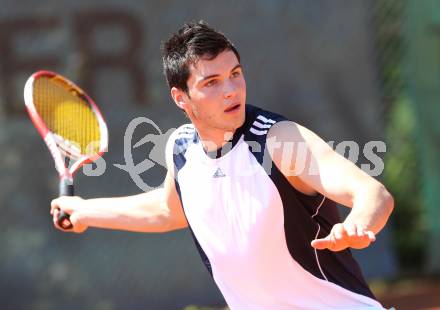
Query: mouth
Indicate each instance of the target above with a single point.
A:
(233, 108)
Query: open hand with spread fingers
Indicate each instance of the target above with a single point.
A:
(345, 235)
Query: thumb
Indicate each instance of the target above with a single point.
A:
(78, 226)
(321, 244)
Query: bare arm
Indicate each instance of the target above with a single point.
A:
(313, 167)
(156, 211)
(159, 210)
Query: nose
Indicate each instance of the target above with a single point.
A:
(230, 89)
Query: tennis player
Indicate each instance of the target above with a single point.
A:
(257, 191)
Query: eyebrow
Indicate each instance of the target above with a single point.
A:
(216, 75)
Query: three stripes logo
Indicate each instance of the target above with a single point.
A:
(187, 132)
(261, 125)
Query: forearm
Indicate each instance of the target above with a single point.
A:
(141, 213)
(372, 206)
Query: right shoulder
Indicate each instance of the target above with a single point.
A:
(178, 142)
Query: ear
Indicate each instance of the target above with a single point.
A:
(179, 97)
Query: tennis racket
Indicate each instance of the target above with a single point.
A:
(69, 122)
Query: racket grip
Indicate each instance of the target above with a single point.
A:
(66, 189)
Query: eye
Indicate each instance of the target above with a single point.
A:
(236, 74)
(211, 83)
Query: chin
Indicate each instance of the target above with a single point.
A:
(235, 124)
(241, 122)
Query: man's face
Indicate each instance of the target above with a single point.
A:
(217, 93)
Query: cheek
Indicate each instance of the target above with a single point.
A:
(243, 82)
(203, 108)
(241, 85)
(209, 100)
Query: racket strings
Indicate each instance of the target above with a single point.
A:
(68, 115)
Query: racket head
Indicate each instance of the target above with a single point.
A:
(68, 120)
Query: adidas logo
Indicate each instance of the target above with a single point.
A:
(218, 173)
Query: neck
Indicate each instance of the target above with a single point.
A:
(213, 139)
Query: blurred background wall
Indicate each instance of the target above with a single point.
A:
(340, 68)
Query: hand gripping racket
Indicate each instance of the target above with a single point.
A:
(69, 122)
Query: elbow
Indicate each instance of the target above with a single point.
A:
(160, 222)
(167, 222)
(388, 200)
(164, 223)
(177, 223)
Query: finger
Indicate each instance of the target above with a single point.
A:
(360, 231)
(350, 229)
(61, 203)
(339, 232)
(55, 216)
(53, 205)
(371, 235)
(339, 238)
(321, 244)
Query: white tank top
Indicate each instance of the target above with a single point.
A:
(253, 229)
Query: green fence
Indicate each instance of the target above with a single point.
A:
(422, 64)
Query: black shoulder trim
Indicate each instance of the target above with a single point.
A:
(185, 136)
(258, 123)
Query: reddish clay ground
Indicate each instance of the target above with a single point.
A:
(415, 295)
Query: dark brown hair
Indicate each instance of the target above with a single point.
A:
(189, 44)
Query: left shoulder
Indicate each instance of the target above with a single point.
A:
(254, 113)
(260, 121)
(296, 151)
(271, 129)
(287, 131)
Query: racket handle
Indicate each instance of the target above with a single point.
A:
(66, 189)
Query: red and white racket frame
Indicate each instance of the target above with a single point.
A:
(49, 137)
(66, 173)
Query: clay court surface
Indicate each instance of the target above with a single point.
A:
(412, 295)
(402, 295)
